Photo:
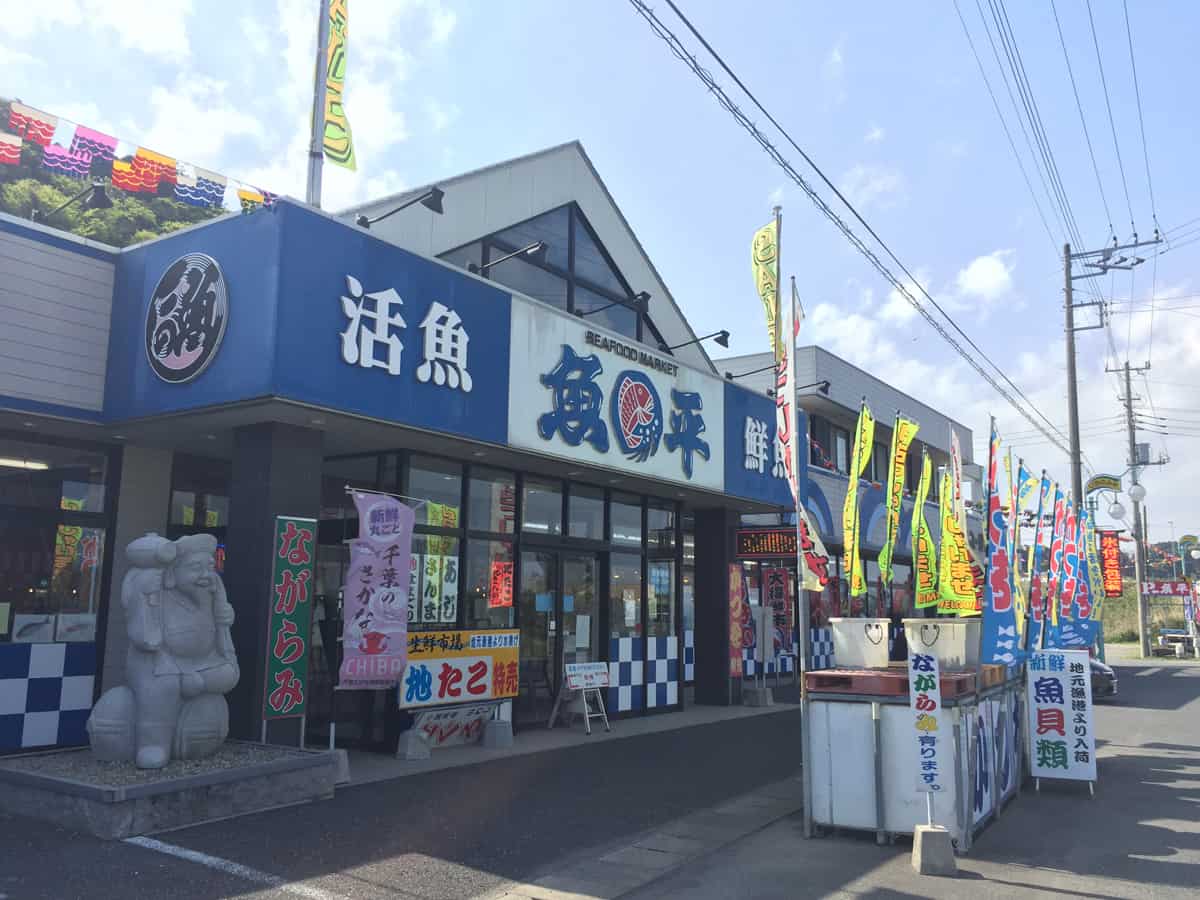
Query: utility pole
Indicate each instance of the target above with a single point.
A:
(1139, 557)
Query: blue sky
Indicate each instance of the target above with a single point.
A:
(886, 98)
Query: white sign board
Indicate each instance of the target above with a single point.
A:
(930, 723)
(1062, 742)
(450, 727)
(586, 676)
(586, 394)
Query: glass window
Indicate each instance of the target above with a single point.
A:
(590, 263)
(619, 318)
(581, 625)
(585, 512)
(49, 581)
(199, 492)
(625, 595)
(439, 484)
(902, 590)
(689, 598)
(463, 257)
(489, 585)
(879, 463)
(433, 582)
(529, 280)
(550, 227)
(841, 442)
(541, 507)
(689, 541)
(660, 528)
(492, 501)
(51, 477)
(660, 599)
(626, 514)
(358, 471)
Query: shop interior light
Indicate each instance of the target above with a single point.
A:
(23, 464)
(535, 252)
(719, 337)
(431, 200)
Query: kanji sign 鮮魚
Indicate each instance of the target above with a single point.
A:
(285, 694)
(448, 667)
(931, 723)
(1062, 742)
(1110, 562)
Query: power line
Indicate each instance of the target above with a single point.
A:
(688, 59)
(1004, 124)
(1111, 122)
(1141, 121)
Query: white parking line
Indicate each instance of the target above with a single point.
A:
(1147, 672)
(231, 868)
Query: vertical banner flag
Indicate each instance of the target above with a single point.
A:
(375, 611)
(903, 433)
(1020, 598)
(812, 548)
(285, 695)
(956, 583)
(337, 142)
(1078, 626)
(1050, 597)
(1069, 584)
(959, 504)
(764, 260)
(1062, 743)
(998, 637)
(1037, 603)
(778, 599)
(1110, 562)
(739, 618)
(923, 550)
(925, 702)
(786, 439)
(864, 442)
(1089, 605)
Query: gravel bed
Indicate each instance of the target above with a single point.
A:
(81, 765)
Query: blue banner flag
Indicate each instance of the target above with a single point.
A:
(999, 628)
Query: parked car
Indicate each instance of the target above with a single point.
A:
(1104, 680)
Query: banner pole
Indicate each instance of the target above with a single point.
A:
(316, 147)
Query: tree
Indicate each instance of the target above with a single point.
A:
(132, 219)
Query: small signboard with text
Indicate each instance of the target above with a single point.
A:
(1110, 562)
(1062, 743)
(765, 543)
(929, 724)
(778, 595)
(1166, 588)
(285, 694)
(450, 667)
(586, 676)
(454, 726)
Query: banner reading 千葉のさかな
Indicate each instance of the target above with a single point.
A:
(446, 667)
(930, 724)
(375, 613)
(1062, 743)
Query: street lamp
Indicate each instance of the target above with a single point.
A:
(1137, 493)
(1117, 511)
(97, 198)
(431, 200)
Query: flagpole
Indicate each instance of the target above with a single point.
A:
(316, 151)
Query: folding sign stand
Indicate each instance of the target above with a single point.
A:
(581, 696)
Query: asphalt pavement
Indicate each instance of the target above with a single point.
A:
(462, 832)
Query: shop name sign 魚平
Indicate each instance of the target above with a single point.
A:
(631, 353)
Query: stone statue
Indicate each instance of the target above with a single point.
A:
(180, 662)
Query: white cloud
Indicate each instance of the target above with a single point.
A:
(194, 119)
(987, 278)
(835, 62)
(874, 135)
(865, 185)
(441, 115)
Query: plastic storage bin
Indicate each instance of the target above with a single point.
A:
(860, 643)
(955, 642)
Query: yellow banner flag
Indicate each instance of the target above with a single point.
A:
(337, 141)
(864, 441)
(764, 260)
(924, 552)
(902, 436)
(956, 582)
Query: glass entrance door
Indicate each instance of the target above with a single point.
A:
(559, 624)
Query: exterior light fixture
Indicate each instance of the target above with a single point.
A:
(431, 200)
(640, 299)
(719, 337)
(97, 198)
(535, 252)
(1137, 493)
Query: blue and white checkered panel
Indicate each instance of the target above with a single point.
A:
(821, 649)
(689, 656)
(626, 690)
(45, 694)
(662, 671)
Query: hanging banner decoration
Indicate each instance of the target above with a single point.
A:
(1069, 583)
(285, 694)
(1062, 743)
(929, 726)
(450, 667)
(778, 598)
(956, 581)
(812, 550)
(1015, 577)
(1110, 563)
(10, 149)
(337, 141)
(1037, 592)
(740, 620)
(764, 261)
(500, 585)
(998, 635)
(1027, 484)
(785, 396)
(864, 442)
(32, 124)
(924, 552)
(375, 604)
(1102, 483)
(1057, 538)
(903, 433)
(1088, 603)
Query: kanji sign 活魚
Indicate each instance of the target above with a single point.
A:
(285, 694)
(930, 722)
(449, 667)
(1062, 743)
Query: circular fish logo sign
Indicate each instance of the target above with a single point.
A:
(186, 318)
(636, 415)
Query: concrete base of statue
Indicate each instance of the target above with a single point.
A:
(412, 746)
(757, 695)
(341, 769)
(497, 735)
(115, 800)
(933, 853)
